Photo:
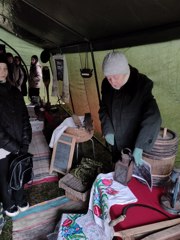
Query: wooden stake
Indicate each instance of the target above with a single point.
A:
(131, 232)
(164, 132)
(167, 234)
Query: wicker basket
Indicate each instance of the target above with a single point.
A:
(70, 188)
(81, 134)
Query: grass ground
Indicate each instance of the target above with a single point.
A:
(35, 194)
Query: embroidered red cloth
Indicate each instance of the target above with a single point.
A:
(137, 216)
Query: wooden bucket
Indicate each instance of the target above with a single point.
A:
(81, 134)
(162, 156)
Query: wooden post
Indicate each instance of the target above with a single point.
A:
(172, 233)
(164, 132)
(137, 231)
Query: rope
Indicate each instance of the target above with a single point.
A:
(80, 60)
(86, 63)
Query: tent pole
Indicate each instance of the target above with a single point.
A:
(16, 53)
(56, 21)
(95, 73)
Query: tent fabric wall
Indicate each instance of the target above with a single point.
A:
(68, 25)
(83, 90)
(160, 62)
(26, 50)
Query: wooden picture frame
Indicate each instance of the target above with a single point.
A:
(62, 156)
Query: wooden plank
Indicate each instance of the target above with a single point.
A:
(167, 234)
(146, 228)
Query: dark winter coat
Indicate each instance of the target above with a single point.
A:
(130, 113)
(15, 128)
(24, 83)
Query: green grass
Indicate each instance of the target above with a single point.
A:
(7, 230)
(35, 194)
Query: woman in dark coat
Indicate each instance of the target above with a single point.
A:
(23, 73)
(35, 78)
(15, 137)
(129, 114)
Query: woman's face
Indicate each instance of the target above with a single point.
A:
(17, 61)
(117, 80)
(33, 60)
(3, 71)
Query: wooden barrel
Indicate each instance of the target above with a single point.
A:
(162, 156)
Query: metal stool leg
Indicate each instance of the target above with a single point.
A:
(77, 149)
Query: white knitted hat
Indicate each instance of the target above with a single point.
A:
(115, 63)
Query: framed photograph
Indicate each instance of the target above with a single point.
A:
(59, 69)
(62, 155)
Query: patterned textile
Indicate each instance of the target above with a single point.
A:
(41, 219)
(105, 193)
(41, 159)
(80, 226)
(37, 125)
